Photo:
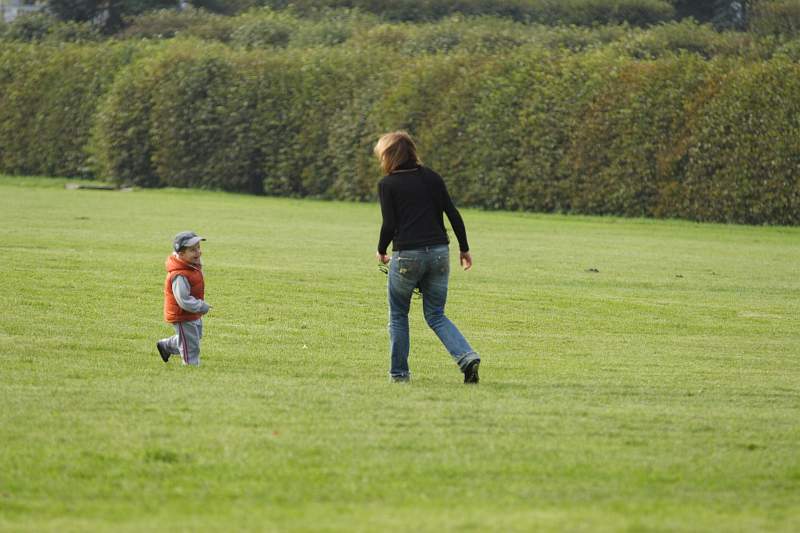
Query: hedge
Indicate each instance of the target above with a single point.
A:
(327, 81)
(203, 115)
(597, 130)
(48, 99)
(581, 12)
(627, 153)
(120, 139)
(775, 17)
(40, 26)
(193, 115)
(744, 150)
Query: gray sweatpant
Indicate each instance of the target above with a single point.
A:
(186, 341)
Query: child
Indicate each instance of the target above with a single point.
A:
(183, 299)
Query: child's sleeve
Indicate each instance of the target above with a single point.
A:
(182, 292)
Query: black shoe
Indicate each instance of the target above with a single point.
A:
(162, 351)
(400, 379)
(471, 372)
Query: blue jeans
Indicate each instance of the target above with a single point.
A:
(428, 268)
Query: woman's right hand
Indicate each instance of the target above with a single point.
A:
(465, 260)
(383, 258)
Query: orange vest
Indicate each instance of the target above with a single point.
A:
(172, 311)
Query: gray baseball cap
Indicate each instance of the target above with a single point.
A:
(185, 239)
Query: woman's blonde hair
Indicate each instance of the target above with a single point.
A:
(396, 149)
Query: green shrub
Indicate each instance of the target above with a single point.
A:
(203, 116)
(264, 28)
(226, 7)
(628, 152)
(330, 27)
(743, 155)
(121, 143)
(195, 119)
(353, 131)
(31, 27)
(169, 23)
(674, 120)
(666, 39)
(48, 103)
(541, 176)
(432, 38)
(789, 50)
(478, 35)
(578, 38)
(700, 10)
(36, 27)
(471, 132)
(593, 12)
(195, 115)
(775, 17)
(329, 79)
(583, 12)
(75, 32)
(410, 98)
(265, 84)
(275, 79)
(383, 36)
(454, 139)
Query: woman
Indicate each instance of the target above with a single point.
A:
(413, 199)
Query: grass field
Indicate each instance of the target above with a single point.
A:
(660, 393)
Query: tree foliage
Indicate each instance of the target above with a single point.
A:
(108, 13)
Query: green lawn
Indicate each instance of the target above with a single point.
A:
(661, 393)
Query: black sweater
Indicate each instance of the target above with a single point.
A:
(412, 203)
